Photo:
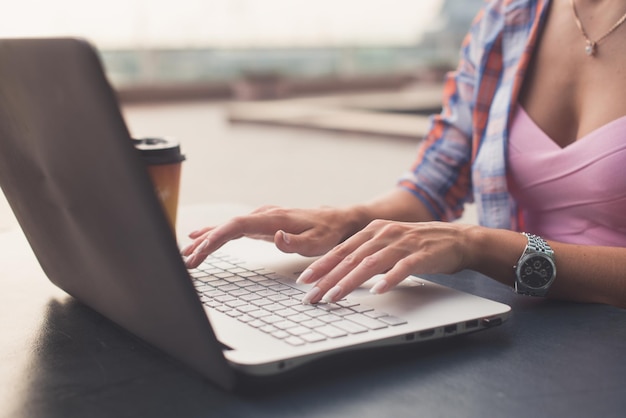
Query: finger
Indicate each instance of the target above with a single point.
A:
(199, 232)
(190, 248)
(324, 265)
(398, 273)
(338, 273)
(215, 237)
(344, 279)
(368, 268)
(259, 226)
(371, 259)
(198, 255)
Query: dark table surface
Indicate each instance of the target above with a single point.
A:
(59, 358)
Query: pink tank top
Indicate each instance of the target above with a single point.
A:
(575, 194)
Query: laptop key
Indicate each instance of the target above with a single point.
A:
(303, 308)
(236, 303)
(262, 302)
(290, 302)
(350, 327)
(292, 292)
(246, 318)
(312, 337)
(329, 318)
(247, 308)
(224, 298)
(392, 320)
(259, 314)
(285, 324)
(278, 297)
(312, 323)
(239, 292)
(342, 311)
(250, 297)
(299, 318)
(346, 303)
(361, 308)
(365, 321)
(267, 293)
(299, 330)
(268, 329)
(272, 319)
(315, 313)
(286, 312)
(331, 332)
(279, 287)
(327, 306)
(294, 340)
(257, 323)
(280, 334)
(274, 307)
(229, 288)
(375, 314)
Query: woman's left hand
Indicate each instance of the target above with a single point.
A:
(396, 249)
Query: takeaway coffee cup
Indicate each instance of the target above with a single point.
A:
(163, 159)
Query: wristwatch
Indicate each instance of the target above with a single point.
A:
(535, 270)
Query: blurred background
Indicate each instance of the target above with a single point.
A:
(250, 78)
(155, 42)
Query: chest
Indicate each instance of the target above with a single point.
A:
(568, 93)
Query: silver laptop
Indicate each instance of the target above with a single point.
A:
(86, 205)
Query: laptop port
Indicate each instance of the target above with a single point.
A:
(448, 329)
(427, 333)
(491, 322)
(471, 324)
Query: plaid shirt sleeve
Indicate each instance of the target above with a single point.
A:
(477, 101)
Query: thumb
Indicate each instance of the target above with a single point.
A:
(296, 243)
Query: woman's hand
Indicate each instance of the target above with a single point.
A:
(394, 248)
(309, 232)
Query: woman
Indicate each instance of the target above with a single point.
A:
(533, 130)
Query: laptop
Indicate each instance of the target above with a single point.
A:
(86, 205)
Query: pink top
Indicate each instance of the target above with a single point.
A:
(575, 194)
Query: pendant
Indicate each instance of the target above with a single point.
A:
(590, 48)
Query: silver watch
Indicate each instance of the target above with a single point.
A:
(535, 270)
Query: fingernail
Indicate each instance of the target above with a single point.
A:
(202, 247)
(311, 295)
(332, 294)
(305, 276)
(189, 261)
(379, 288)
(286, 237)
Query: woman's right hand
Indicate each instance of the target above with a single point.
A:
(309, 232)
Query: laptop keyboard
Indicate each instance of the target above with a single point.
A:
(255, 296)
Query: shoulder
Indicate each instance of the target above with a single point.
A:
(499, 16)
(500, 13)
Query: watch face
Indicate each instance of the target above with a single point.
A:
(536, 271)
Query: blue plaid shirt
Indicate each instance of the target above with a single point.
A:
(463, 157)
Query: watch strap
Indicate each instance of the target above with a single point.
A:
(535, 245)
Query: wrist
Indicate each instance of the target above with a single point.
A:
(493, 252)
(355, 218)
(475, 240)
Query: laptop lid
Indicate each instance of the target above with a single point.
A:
(86, 205)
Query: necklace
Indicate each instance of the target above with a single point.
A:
(592, 46)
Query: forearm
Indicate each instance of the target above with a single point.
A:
(397, 205)
(584, 273)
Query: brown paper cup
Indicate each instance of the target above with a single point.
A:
(163, 160)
